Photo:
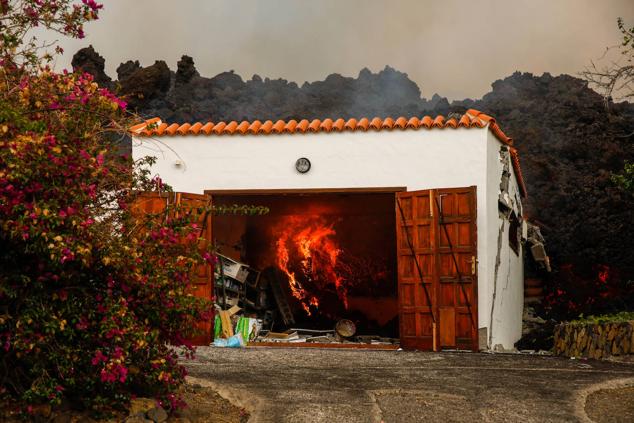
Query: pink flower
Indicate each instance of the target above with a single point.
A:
(98, 358)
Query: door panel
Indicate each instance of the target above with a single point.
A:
(416, 269)
(202, 277)
(447, 319)
(436, 245)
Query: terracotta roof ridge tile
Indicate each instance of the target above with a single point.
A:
(266, 127)
(452, 122)
(326, 125)
(171, 129)
(351, 124)
(231, 127)
(313, 126)
(160, 128)
(363, 124)
(515, 159)
(413, 122)
(426, 121)
(401, 122)
(338, 125)
(472, 118)
(439, 122)
(289, 127)
(195, 128)
(243, 127)
(278, 126)
(376, 123)
(184, 128)
(219, 127)
(255, 126)
(388, 123)
(303, 125)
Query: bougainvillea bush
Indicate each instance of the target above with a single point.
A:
(93, 298)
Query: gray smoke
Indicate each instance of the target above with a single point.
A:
(454, 47)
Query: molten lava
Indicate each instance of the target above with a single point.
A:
(308, 252)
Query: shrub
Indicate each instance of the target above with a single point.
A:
(93, 300)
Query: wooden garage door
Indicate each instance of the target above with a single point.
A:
(437, 281)
(202, 279)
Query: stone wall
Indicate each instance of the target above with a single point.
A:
(594, 340)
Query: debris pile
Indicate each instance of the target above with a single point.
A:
(250, 304)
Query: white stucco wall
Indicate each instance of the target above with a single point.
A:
(505, 287)
(415, 159)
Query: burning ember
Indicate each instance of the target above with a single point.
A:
(308, 252)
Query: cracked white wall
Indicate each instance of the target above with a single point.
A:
(504, 283)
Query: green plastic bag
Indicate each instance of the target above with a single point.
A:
(217, 327)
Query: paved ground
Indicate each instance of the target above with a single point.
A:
(306, 385)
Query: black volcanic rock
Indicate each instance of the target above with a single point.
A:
(88, 60)
(569, 144)
(185, 70)
(125, 70)
(144, 84)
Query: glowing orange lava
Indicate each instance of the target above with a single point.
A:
(308, 245)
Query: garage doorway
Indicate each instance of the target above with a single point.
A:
(334, 250)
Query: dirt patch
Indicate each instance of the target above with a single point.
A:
(205, 405)
(611, 405)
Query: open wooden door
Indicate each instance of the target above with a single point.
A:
(202, 279)
(437, 283)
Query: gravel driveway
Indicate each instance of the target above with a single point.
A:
(320, 385)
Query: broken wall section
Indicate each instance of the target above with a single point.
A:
(506, 233)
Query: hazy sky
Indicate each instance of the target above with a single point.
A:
(453, 47)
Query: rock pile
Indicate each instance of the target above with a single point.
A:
(594, 340)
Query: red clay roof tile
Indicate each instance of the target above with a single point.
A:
(401, 123)
(388, 123)
(351, 124)
(184, 128)
(161, 128)
(363, 124)
(302, 125)
(427, 122)
(195, 128)
(266, 127)
(219, 127)
(313, 126)
(376, 123)
(243, 127)
(278, 127)
(255, 126)
(290, 126)
(413, 122)
(326, 125)
(338, 125)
